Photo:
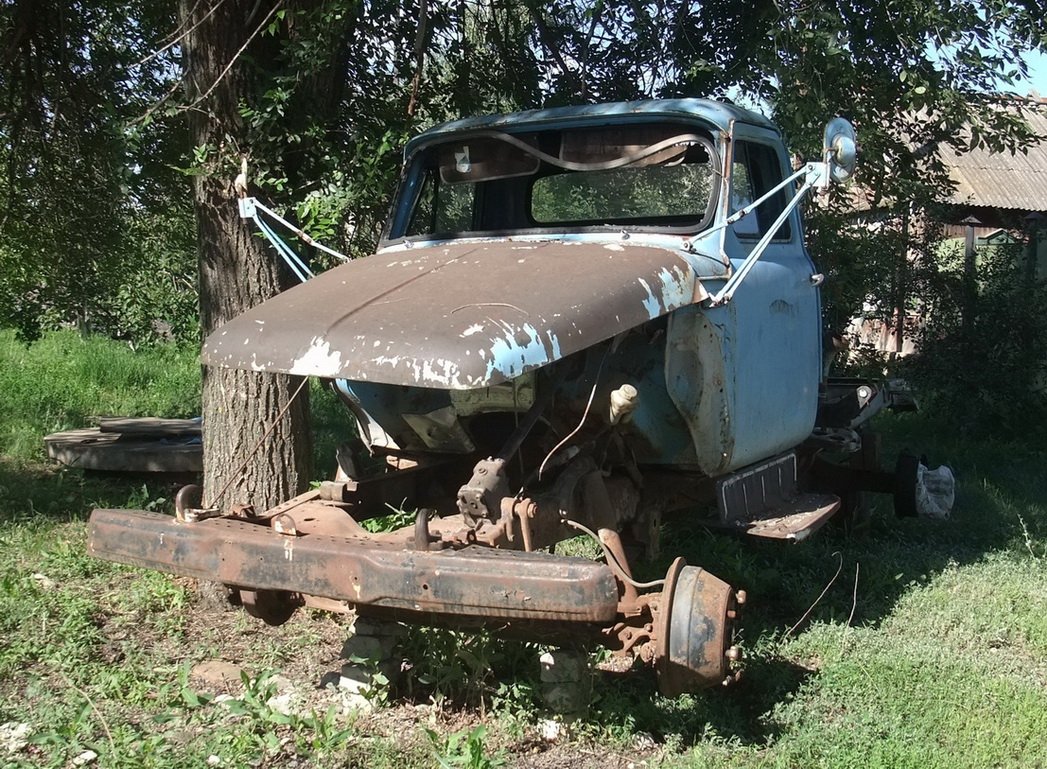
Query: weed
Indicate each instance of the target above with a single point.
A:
(326, 733)
(464, 749)
(145, 498)
(470, 669)
(264, 726)
(378, 688)
(1029, 545)
(253, 704)
(397, 519)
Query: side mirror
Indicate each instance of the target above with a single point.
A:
(840, 149)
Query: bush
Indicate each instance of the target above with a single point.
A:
(987, 374)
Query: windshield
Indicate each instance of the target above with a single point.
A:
(646, 176)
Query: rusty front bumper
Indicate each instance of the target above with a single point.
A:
(472, 581)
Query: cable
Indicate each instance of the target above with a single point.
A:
(299, 232)
(607, 165)
(585, 414)
(251, 453)
(571, 434)
(807, 613)
(293, 261)
(612, 561)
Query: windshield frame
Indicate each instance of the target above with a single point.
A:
(413, 183)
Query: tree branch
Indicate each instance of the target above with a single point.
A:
(236, 56)
(179, 36)
(546, 36)
(419, 54)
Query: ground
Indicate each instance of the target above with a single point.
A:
(923, 644)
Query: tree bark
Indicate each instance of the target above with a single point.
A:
(237, 271)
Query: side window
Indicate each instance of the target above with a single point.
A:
(422, 216)
(755, 171)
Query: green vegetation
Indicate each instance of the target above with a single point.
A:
(65, 380)
(1002, 327)
(681, 191)
(97, 158)
(929, 648)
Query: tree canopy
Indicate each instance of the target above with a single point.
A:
(96, 151)
(83, 191)
(97, 155)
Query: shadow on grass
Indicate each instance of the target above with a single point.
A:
(862, 579)
(51, 493)
(1000, 501)
(630, 702)
(1001, 504)
(1001, 496)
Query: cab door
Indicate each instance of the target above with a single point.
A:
(745, 375)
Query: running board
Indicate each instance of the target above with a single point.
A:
(796, 522)
(764, 501)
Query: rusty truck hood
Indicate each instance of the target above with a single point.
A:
(456, 316)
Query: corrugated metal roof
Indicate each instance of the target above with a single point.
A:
(1000, 179)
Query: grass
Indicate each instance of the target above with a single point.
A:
(928, 649)
(951, 676)
(65, 379)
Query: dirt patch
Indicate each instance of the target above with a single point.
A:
(216, 674)
(559, 756)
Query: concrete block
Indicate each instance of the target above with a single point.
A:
(563, 666)
(368, 647)
(568, 697)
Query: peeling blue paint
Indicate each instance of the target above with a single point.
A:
(675, 291)
(651, 303)
(564, 298)
(510, 358)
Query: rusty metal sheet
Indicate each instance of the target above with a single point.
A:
(813, 513)
(794, 521)
(457, 316)
(474, 581)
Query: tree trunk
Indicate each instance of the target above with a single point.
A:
(901, 284)
(237, 271)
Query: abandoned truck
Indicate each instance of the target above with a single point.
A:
(580, 321)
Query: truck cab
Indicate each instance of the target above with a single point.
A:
(579, 321)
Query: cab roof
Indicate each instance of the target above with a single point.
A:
(717, 114)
